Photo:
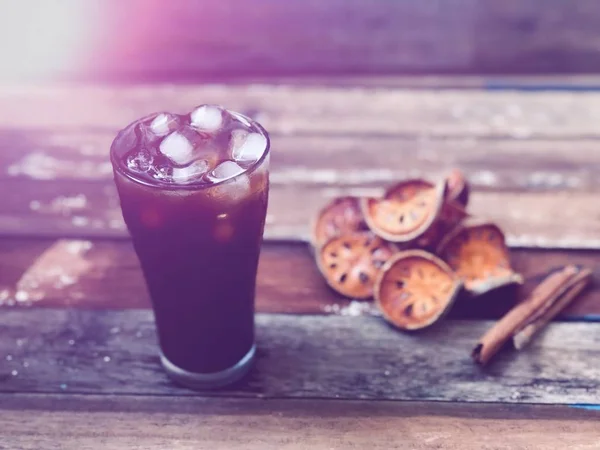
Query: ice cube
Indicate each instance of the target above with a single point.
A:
(177, 148)
(238, 185)
(182, 146)
(207, 118)
(247, 147)
(241, 118)
(190, 173)
(128, 139)
(139, 161)
(161, 172)
(164, 124)
(225, 171)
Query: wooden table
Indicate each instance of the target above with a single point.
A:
(78, 358)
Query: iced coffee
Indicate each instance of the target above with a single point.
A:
(194, 191)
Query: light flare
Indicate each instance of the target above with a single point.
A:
(44, 39)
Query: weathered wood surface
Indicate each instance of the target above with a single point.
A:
(533, 162)
(301, 110)
(53, 351)
(330, 141)
(152, 39)
(550, 219)
(73, 422)
(316, 159)
(106, 275)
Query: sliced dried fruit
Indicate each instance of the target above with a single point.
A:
(415, 289)
(406, 212)
(478, 253)
(340, 216)
(453, 212)
(451, 215)
(351, 262)
(407, 189)
(458, 187)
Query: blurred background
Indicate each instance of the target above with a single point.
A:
(356, 94)
(194, 40)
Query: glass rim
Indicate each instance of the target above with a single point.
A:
(118, 166)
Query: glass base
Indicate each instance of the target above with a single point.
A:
(209, 380)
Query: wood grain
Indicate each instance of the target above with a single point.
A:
(63, 208)
(363, 160)
(302, 110)
(106, 275)
(106, 352)
(203, 39)
(289, 281)
(97, 422)
(355, 139)
(334, 140)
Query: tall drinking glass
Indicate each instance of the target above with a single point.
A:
(194, 192)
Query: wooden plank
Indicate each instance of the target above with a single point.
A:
(364, 160)
(301, 110)
(544, 219)
(106, 274)
(107, 352)
(82, 201)
(100, 275)
(96, 422)
(203, 39)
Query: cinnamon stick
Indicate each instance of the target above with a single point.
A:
(540, 301)
(570, 292)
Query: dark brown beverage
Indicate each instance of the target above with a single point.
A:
(193, 191)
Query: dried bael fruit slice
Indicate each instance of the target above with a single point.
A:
(351, 262)
(415, 288)
(340, 216)
(406, 212)
(458, 187)
(407, 189)
(451, 215)
(478, 253)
